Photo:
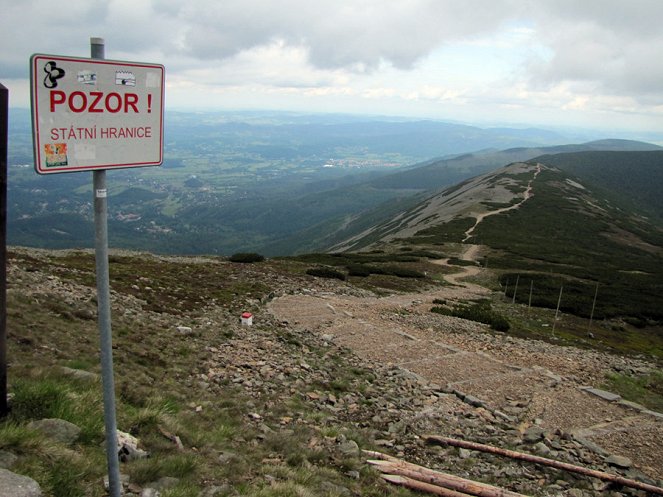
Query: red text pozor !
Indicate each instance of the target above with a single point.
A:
(95, 101)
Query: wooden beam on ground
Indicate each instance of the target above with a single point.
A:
(391, 465)
(410, 483)
(546, 462)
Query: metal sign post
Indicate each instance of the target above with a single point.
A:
(93, 115)
(103, 309)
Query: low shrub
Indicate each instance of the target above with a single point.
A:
(358, 270)
(480, 312)
(402, 272)
(246, 257)
(325, 272)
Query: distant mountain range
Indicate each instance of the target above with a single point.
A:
(277, 183)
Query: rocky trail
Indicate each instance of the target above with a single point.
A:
(530, 384)
(535, 387)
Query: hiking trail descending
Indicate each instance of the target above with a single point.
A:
(532, 383)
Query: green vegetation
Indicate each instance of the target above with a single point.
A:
(325, 272)
(480, 312)
(178, 385)
(246, 257)
(645, 389)
(453, 231)
(635, 176)
(577, 247)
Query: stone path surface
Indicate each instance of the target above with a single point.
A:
(529, 383)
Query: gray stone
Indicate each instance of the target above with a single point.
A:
(653, 413)
(80, 374)
(7, 459)
(185, 330)
(619, 461)
(150, 492)
(15, 485)
(609, 396)
(57, 429)
(164, 483)
(124, 481)
(349, 448)
(218, 490)
(632, 405)
(542, 449)
(591, 446)
(464, 453)
(473, 401)
(533, 434)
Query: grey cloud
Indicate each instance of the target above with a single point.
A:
(612, 46)
(346, 34)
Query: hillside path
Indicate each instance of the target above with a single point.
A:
(532, 382)
(471, 251)
(526, 196)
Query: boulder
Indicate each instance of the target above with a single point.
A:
(18, 485)
(57, 429)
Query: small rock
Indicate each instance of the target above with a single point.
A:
(127, 447)
(464, 453)
(164, 482)
(57, 429)
(542, 449)
(619, 461)
(18, 485)
(80, 374)
(533, 434)
(124, 481)
(349, 448)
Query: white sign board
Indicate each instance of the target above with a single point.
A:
(95, 114)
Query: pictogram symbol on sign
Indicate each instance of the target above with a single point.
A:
(53, 73)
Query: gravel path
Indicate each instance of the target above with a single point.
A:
(532, 382)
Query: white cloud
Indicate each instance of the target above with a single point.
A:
(553, 58)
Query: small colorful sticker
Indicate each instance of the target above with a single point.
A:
(125, 78)
(87, 77)
(56, 154)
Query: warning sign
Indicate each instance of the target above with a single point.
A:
(95, 114)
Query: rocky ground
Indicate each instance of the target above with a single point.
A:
(538, 393)
(351, 370)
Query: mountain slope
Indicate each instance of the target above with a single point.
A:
(637, 177)
(564, 232)
(398, 190)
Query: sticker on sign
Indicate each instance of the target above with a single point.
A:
(95, 114)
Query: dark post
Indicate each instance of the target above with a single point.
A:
(4, 131)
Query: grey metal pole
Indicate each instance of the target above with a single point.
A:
(515, 290)
(559, 301)
(591, 316)
(4, 132)
(103, 309)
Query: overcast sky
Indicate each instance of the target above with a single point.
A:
(584, 63)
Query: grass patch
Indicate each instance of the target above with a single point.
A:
(645, 389)
(480, 312)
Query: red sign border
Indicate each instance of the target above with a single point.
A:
(35, 113)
